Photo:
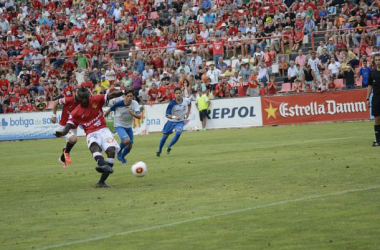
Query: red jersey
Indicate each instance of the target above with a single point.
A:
(91, 118)
(69, 105)
(68, 91)
(217, 48)
(87, 84)
(153, 94)
(26, 108)
(162, 91)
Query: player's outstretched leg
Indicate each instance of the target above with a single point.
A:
(129, 142)
(174, 140)
(69, 145)
(162, 143)
(62, 160)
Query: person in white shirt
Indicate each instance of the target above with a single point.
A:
(334, 67)
(263, 75)
(101, 20)
(35, 43)
(4, 24)
(315, 63)
(110, 75)
(117, 13)
(77, 46)
(213, 74)
(250, 28)
(292, 72)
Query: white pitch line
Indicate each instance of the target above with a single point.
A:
(208, 217)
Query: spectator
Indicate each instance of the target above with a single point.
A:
(292, 73)
(213, 75)
(349, 76)
(334, 67)
(272, 86)
(364, 73)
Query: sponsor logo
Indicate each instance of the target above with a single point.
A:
(222, 113)
(329, 107)
(94, 105)
(25, 122)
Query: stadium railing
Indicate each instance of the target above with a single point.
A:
(160, 48)
(337, 30)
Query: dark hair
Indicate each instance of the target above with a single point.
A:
(126, 92)
(176, 89)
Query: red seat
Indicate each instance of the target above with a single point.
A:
(286, 87)
(339, 83)
(242, 91)
(358, 82)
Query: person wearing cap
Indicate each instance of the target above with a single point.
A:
(331, 46)
(358, 23)
(213, 74)
(104, 82)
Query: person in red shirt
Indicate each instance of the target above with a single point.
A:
(4, 84)
(69, 104)
(13, 100)
(153, 93)
(272, 86)
(220, 89)
(53, 73)
(7, 109)
(217, 50)
(25, 107)
(89, 114)
(68, 90)
(157, 62)
(232, 31)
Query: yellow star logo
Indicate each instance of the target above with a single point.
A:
(271, 111)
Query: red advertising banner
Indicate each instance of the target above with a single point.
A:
(316, 107)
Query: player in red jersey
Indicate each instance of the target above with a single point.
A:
(69, 104)
(89, 114)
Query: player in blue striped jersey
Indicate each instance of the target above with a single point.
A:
(125, 110)
(177, 111)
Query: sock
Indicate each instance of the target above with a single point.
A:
(110, 161)
(122, 145)
(104, 177)
(175, 138)
(377, 133)
(63, 156)
(125, 151)
(99, 158)
(69, 146)
(162, 142)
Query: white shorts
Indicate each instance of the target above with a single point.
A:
(69, 134)
(104, 138)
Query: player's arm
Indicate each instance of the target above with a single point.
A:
(65, 130)
(107, 112)
(136, 114)
(169, 111)
(369, 91)
(115, 94)
(54, 115)
(188, 110)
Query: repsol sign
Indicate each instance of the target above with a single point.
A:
(222, 113)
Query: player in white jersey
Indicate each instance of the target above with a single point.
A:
(125, 110)
(177, 111)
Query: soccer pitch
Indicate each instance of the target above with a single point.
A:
(288, 187)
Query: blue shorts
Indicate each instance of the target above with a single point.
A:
(125, 133)
(170, 126)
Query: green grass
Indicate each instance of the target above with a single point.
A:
(258, 188)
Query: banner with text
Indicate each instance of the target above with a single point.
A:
(317, 107)
(24, 126)
(224, 113)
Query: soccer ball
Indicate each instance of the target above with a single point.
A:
(139, 169)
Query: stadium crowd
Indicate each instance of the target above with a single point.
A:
(48, 48)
